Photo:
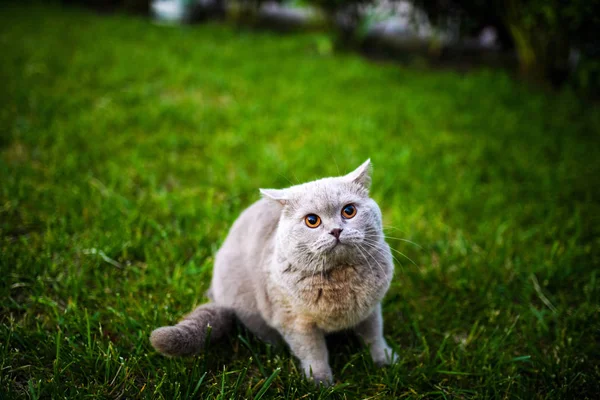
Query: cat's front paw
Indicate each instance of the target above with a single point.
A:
(320, 374)
(383, 356)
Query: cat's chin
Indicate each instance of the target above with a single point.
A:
(336, 247)
(347, 245)
(341, 252)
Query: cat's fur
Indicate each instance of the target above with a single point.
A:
(284, 279)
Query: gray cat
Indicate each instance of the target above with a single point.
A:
(299, 263)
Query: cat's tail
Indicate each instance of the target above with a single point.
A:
(189, 336)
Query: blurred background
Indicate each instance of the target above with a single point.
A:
(133, 134)
(551, 42)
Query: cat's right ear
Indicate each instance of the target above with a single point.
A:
(361, 175)
(279, 195)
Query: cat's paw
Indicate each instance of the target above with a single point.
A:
(383, 356)
(320, 375)
(325, 380)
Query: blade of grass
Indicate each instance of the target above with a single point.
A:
(267, 384)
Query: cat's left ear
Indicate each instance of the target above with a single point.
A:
(280, 195)
(361, 175)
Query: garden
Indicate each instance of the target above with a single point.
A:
(128, 149)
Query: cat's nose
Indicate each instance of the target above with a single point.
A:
(336, 232)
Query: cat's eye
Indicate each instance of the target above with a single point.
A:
(348, 211)
(312, 220)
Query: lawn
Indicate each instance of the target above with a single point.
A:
(127, 150)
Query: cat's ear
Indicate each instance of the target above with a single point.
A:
(361, 175)
(280, 195)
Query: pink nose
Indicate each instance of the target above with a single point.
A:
(336, 232)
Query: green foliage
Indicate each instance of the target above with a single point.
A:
(543, 31)
(587, 76)
(344, 17)
(332, 6)
(128, 149)
(246, 11)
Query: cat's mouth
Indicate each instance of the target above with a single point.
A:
(336, 245)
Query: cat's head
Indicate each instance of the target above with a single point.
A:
(327, 222)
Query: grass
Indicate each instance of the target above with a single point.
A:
(128, 149)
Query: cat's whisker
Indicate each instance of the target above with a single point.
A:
(336, 164)
(395, 229)
(285, 177)
(390, 227)
(378, 247)
(405, 256)
(374, 259)
(363, 255)
(401, 253)
(323, 262)
(297, 180)
(396, 238)
(403, 240)
(314, 262)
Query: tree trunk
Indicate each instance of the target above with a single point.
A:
(542, 45)
(531, 65)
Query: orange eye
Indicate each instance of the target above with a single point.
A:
(349, 211)
(312, 220)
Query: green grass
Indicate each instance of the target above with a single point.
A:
(128, 149)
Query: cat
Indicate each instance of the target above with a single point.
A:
(299, 263)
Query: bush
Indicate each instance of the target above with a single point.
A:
(246, 11)
(344, 16)
(544, 32)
